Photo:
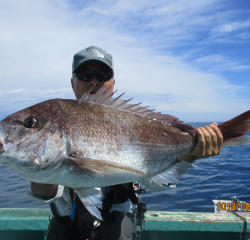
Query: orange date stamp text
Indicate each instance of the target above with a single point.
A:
(226, 206)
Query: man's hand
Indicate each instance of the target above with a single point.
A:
(44, 191)
(209, 144)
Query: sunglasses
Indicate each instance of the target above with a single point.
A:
(87, 75)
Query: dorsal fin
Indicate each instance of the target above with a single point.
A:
(104, 97)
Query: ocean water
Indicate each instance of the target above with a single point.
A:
(225, 175)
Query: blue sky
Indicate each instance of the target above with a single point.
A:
(186, 58)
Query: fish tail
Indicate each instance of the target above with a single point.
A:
(234, 131)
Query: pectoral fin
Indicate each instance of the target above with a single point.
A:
(91, 198)
(96, 166)
(167, 178)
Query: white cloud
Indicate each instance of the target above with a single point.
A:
(17, 99)
(231, 27)
(232, 32)
(220, 63)
(40, 38)
(22, 93)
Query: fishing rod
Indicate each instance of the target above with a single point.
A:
(139, 211)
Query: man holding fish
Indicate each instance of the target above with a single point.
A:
(92, 69)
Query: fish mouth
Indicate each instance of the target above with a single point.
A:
(4, 144)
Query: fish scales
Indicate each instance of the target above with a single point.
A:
(108, 133)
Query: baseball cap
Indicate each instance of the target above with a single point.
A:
(90, 54)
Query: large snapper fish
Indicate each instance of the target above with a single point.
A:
(99, 141)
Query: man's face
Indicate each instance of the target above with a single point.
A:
(80, 87)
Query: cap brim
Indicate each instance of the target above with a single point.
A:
(91, 60)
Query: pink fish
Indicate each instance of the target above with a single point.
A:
(100, 141)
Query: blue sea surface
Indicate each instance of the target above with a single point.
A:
(225, 175)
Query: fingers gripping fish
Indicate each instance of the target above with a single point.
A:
(100, 141)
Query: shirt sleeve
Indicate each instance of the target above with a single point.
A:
(59, 194)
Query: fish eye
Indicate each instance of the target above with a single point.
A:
(30, 122)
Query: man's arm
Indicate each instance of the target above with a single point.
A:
(209, 144)
(44, 191)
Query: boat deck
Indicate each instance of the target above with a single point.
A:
(32, 224)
